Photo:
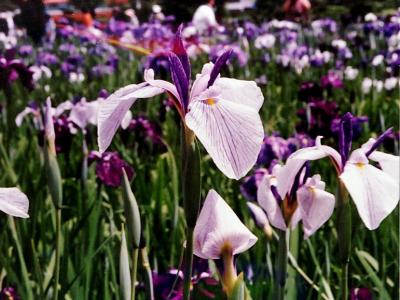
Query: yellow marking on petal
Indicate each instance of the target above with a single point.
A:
(210, 101)
(360, 165)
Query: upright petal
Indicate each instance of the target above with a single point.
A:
(14, 202)
(374, 192)
(269, 203)
(200, 83)
(112, 110)
(180, 51)
(218, 227)
(243, 92)
(316, 205)
(232, 133)
(179, 78)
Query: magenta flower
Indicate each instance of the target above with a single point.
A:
(222, 112)
(109, 167)
(14, 202)
(366, 184)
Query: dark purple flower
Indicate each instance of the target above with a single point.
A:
(109, 167)
(158, 61)
(360, 294)
(274, 148)
(202, 281)
(357, 124)
(317, 118)
(9, 293)
(249, 186)
(103, 93)
(13, 69)
(309, 91)
(146, 131)
(101, 70)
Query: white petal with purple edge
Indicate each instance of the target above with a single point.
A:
(268, 202)
(217, 227)
(374, 192)
(112, 110)
(14, 202)
(231, 133)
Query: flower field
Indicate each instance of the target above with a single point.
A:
(154, 161)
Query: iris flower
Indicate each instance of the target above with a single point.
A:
(374, 191)
(219, 234)
(306, 200)
(218, 228)
(221, 112)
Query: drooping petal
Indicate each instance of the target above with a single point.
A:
(269, 203)
(14, 202)
(388, 162)
(316, 205)
(112, 110)
(374, 192)
(243, 92)
(218, 227)
(232, 133)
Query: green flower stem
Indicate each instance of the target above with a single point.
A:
(343, 227)
(188, 262)
(282, 264)
(58, 253)
(148, 279)
(191, 187)
(20, 253)
(135, 254)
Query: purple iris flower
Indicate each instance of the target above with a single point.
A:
(47, 58)
(12, 69)
(101, 70)
(331, 81)
(274, 148)
(64, 130)
(9, 293)
(250, 184)
(309, 92)
(25, 50)
(317, 118)
(158, 61)
(357, 124)
(109, 167)
(202, 281)
(360, 294)
(145, 130)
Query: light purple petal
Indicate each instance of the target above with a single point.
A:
(240, 91)
(217, 227)
(232, 133)
(200, 84)
(295, 161)
(258, 214)
(14, 202)
(315, 205)
(374, 192)
(112, 111)
(161, 84)
(268, 202)
(389, 163)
